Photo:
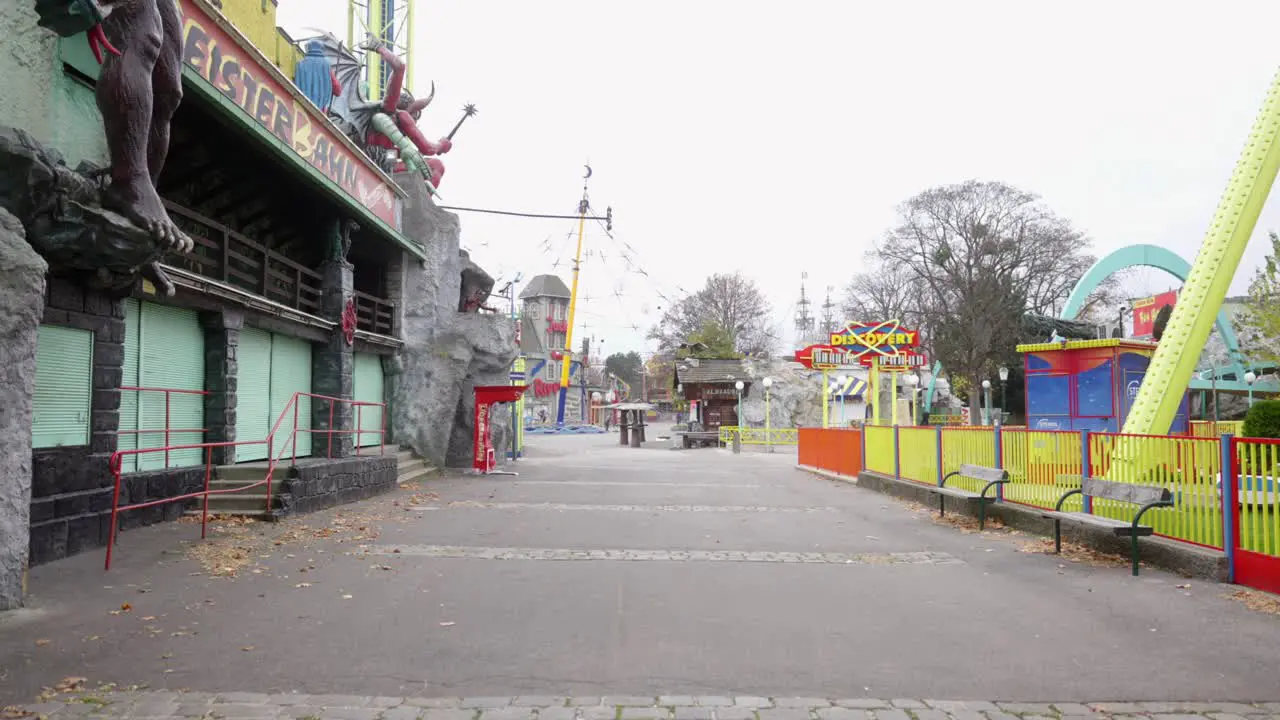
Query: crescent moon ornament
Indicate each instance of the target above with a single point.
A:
(588, 175)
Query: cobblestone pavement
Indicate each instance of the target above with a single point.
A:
(734, 556)
(230, 706)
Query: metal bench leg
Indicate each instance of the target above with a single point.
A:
(982, 514)
(1057, 536)
(942, 505)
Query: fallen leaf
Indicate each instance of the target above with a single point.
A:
(396, 551)
(126, 607)
(347, 597)
(149, 618)
(94, 637)
(247, 648)
(447, 624)
(166, 656)
(13, 711)
(303, 585)
(115, 612)
(42, 643)
(1184, 586)
(1257, 601)
(70, 684)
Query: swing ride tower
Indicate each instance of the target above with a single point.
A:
(391, 21)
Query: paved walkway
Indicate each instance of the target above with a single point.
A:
(603, 570)
(231, 706)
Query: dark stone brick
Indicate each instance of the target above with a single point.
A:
(107, 377)
(55, 317)
(105, 420)
(73, 504)
(106, 399)
(117, 309)
(42, 510)
(96, 324)
(96, 303)
(83, 532)
(108, 354)
(100, 500)
(114, 331)
(48, 541)
(65, 295)
(103, 443)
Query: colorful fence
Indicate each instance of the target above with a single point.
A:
(1256, 516)
(1216, 428)
(921, 466)
(759, 436)
(880, 449)
(1043, 465)
(834, 449)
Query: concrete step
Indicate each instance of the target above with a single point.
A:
(239, 504)
(412, 462)
(276, 483)
(421, 473)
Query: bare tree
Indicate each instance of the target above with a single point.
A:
(731, 302)
(975, 258)
(885, 293)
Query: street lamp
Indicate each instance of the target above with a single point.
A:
(1249, 379)
(739, 386)
(768, 422)
(986, 394)
(832, 387)
(911, 381)
(1004, 389)
(841, 383)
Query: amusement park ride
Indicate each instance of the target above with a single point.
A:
(1172, 369)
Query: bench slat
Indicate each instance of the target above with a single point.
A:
(985, 474)
(957, 492)
(1125, 492)
(1120, 527)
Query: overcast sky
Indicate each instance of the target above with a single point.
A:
(777, 138)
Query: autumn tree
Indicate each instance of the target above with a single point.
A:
(1260, 322)
(732, 304)
(625, 366)
(975, 259)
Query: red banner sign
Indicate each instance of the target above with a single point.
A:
(1146, 309)
(241, 76)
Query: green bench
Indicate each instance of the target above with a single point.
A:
(993, 477)
(1146, 497)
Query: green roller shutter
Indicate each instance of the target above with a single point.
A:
(64, 387)
(170, 356)
(128, 438)
(253, 393)
(290, 373)
(368, 388)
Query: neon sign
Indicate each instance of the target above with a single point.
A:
(887, 345)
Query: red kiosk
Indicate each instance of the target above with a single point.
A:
(483, 460)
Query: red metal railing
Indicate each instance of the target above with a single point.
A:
(167, 431)
(273, 458)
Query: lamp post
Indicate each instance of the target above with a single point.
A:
(768, 421)
(1249, 379)
(1004, 389)
(911, 381)
(986, 394)
(680, 392)
(841, 383)
(738, 386)
(832, 387)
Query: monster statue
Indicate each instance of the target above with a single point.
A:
(340, 239)
(315, 78)
(71, 223)
(388, 126)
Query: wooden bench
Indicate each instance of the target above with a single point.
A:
(1145, 497)
(993, 477)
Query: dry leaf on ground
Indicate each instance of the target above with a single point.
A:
(1258, 601)
(1074, 553)
(42, 642)
(70, 684)
(13, 711)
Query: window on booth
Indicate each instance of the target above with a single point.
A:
(1094, 392)
(1048, 395)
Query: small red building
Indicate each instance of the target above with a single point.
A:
(710, 386)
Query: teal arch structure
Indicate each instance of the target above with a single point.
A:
(1127, 257)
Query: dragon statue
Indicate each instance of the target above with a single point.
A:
(122, 230)
(386, 129)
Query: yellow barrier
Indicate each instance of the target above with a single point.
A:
(975, 445)
(1216, 428)
(759, 436)
(918, 454)
(879, 441)
(1043, 465)
(1190, 467)
(1258, 492)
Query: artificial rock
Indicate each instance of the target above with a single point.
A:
(22, 284)
(446, 352)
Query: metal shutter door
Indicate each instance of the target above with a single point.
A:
(290, 373)
(368, 388)
(128, 440)
(171, 356)
(64, 386)
(253, 393)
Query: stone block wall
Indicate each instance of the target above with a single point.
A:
(320, 485)
(71, 486)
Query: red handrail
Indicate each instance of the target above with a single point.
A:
(116, 460)
(168, 392)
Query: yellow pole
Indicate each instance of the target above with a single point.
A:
(826, 392)
(375, 60)
(408, 43)
(875, 392)
(573, 305)
(893, 395)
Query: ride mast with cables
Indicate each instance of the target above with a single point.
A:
(583, 206)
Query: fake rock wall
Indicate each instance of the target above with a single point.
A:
(446, 353)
